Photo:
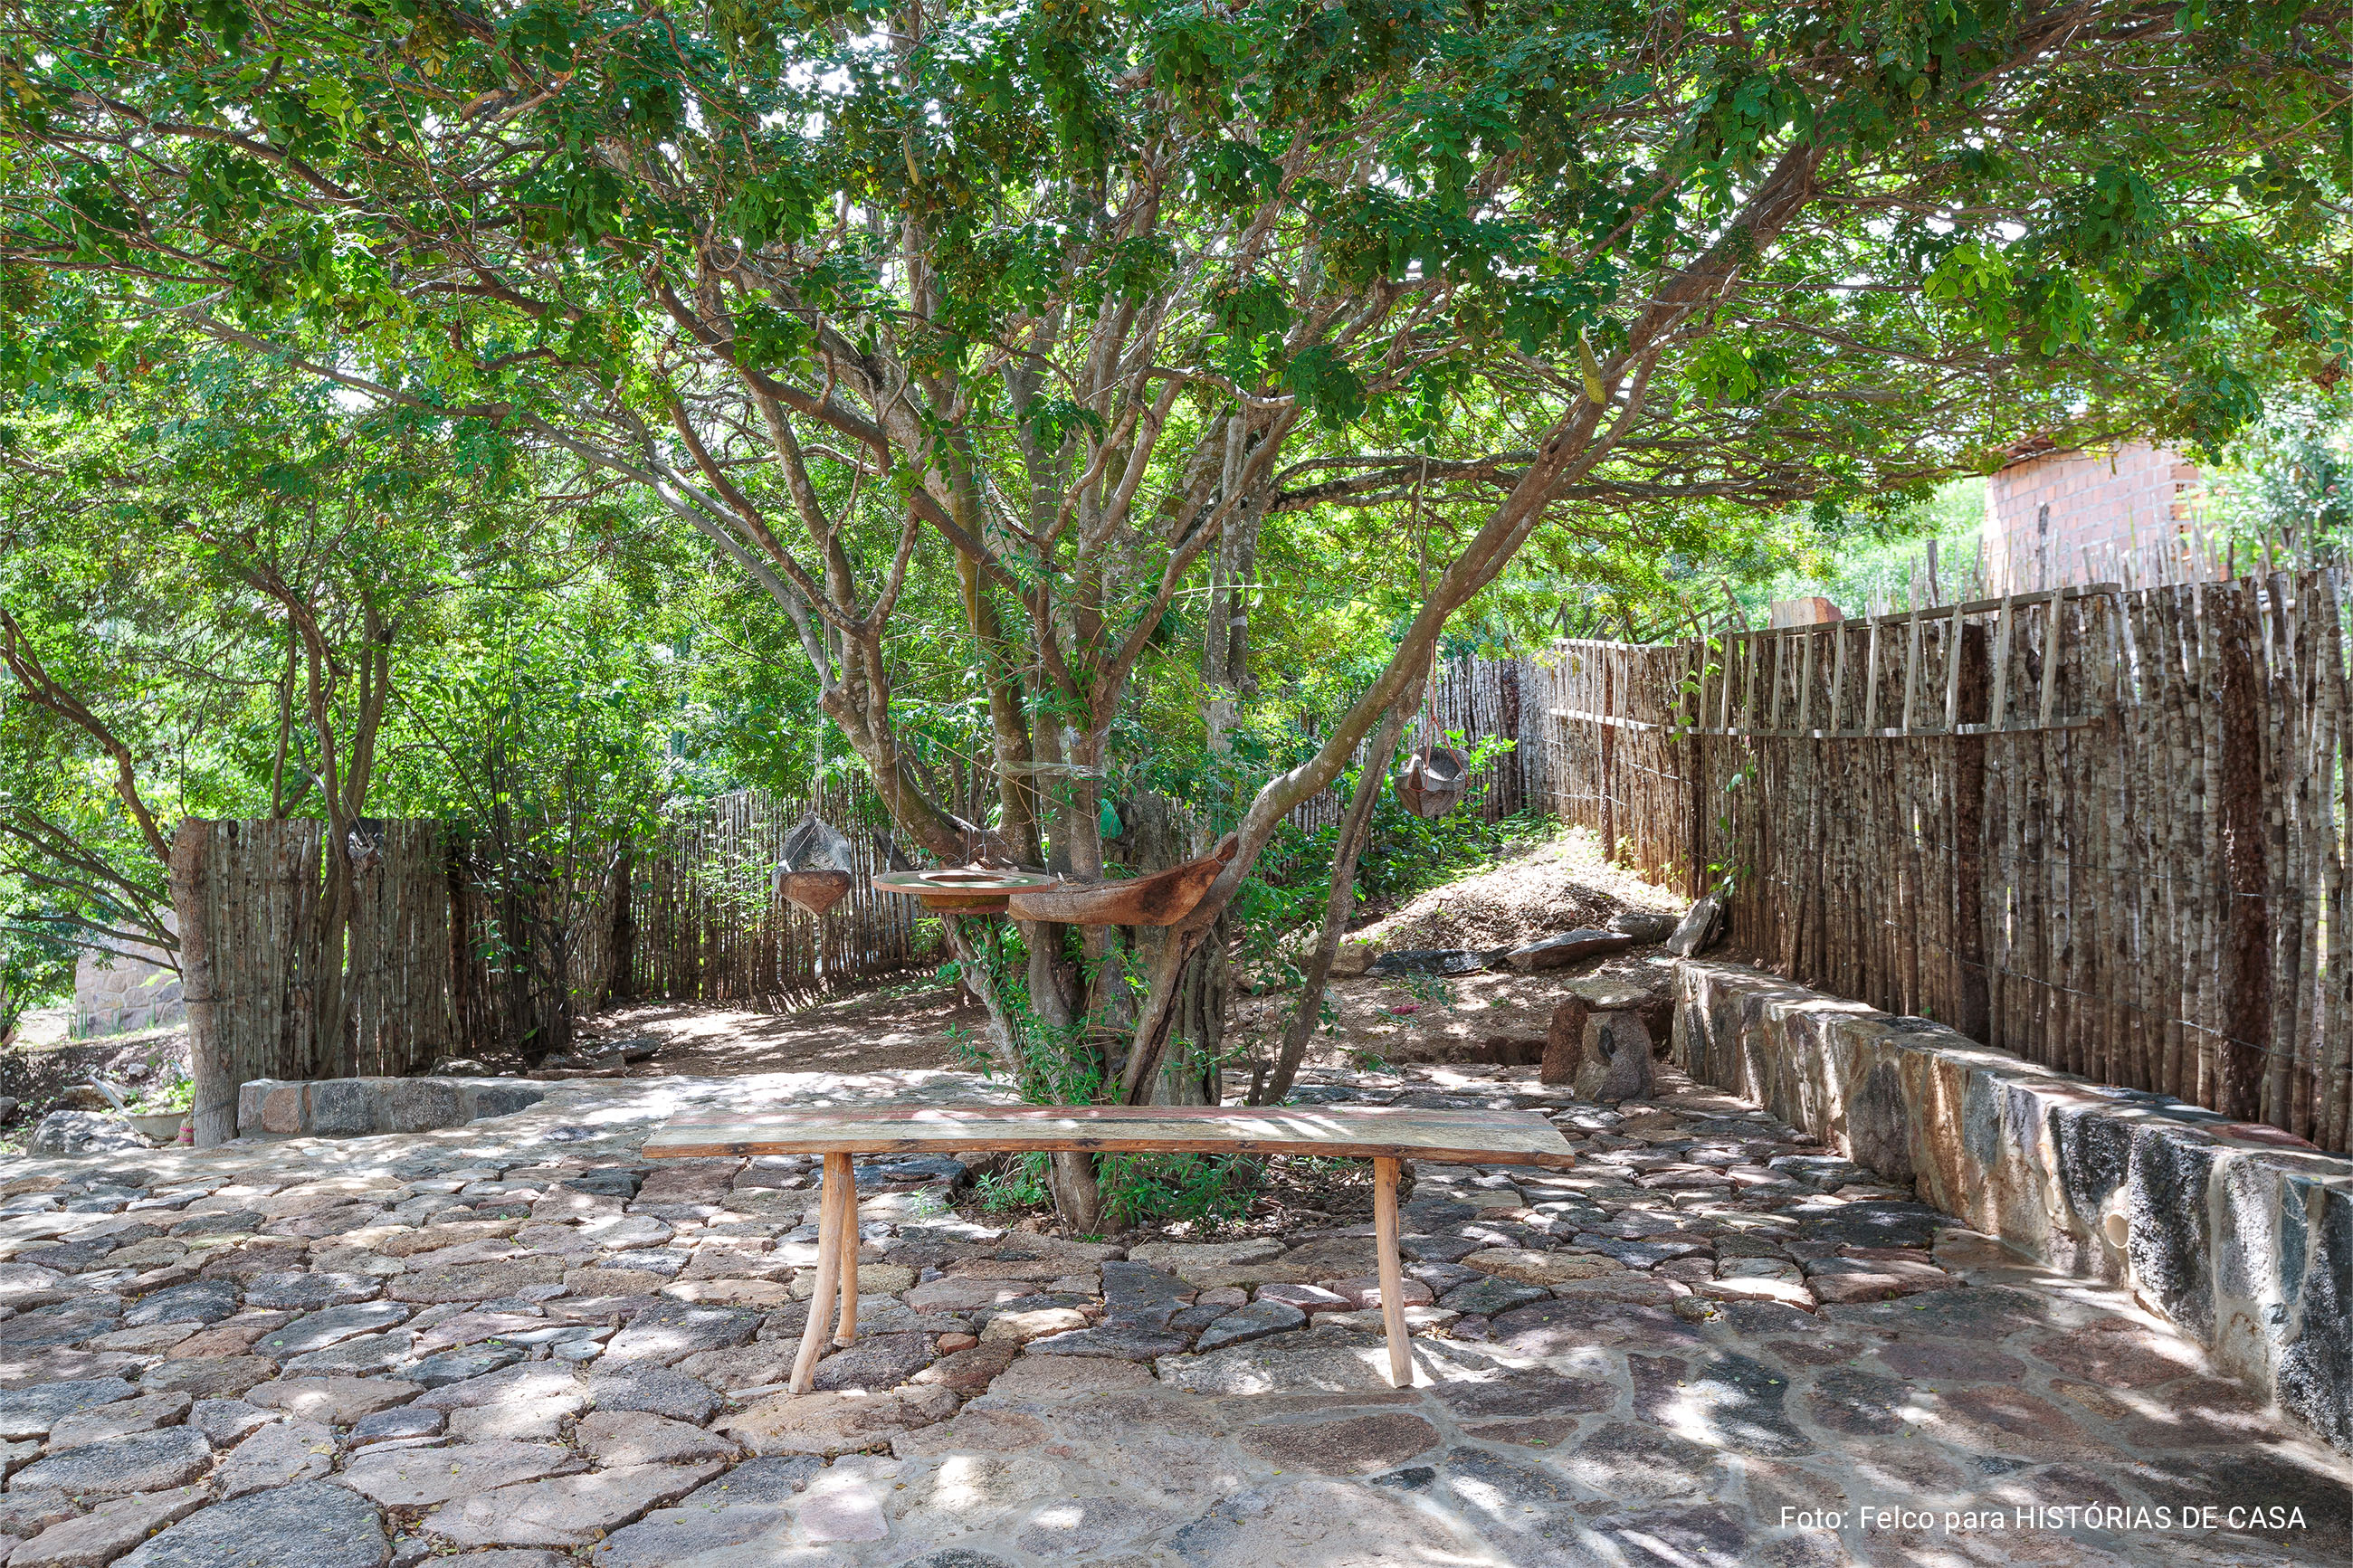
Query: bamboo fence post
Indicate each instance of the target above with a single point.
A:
(1997, 705)
(1806, 681)
(1953, 674)
(2335, 1119)
(1838, 674)
(1871, 682)
(1911, 668)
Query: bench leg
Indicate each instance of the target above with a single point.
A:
(1384, 1242)
(846, 1247)
(828, 1282)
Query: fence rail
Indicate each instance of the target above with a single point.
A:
(2106, 829)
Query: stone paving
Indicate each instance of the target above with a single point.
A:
(517, 1342)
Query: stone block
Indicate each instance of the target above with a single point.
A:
(422, 1104)
(341, 1107)
(251, 1097)
(1565, 1040)
(84, 1132)
(1614, 1059)
(359, 1107)
(1570, 947)
(281, 1108)
(1701, 925)
(498, 1097)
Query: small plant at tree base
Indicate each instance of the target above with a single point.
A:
(1140, 1189)
(1023, 1186)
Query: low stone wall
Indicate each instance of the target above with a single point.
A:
(2238, 1233)
(355, 1107)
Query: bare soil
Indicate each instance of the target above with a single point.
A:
(894, 1025)
(1540, 888)
(42, 1070)
(1497, 1017)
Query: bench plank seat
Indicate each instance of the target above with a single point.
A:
(1363, 1132)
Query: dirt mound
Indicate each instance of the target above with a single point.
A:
(1553, 885)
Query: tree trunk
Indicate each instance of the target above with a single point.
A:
(1077, 1194)
(1018, 820)
(1355, 828)
(216, 1076)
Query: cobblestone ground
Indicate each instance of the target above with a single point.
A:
(1707, 1344)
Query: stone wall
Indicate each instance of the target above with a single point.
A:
(117, 993)
(358, 1107)
(2238, 1233)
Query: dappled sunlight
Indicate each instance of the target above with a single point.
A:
(1623, 1418)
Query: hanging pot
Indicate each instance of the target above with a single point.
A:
(1433, 781)
(818, 868)
(813, 892)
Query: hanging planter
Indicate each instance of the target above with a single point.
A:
(1433, 781)
(1435, 778)
(819, 866)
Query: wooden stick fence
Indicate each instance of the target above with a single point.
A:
(709, 924)
(1478, 699)
(426, 971)
(2106, 829)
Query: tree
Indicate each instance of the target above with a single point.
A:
(1071, 303)
(208, 584)
(2288, 488)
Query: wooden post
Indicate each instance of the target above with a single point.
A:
(1838, 677)
(1971, 704)
(2246, 977)
(1806, 682)
(1695, 786)
(1953, 674)
(828, 1240)
(845, 1247)
(1606, 742)
(1912, 671)
(1871, 682)
(1998, 709)
(215, 1113)
(1392, 1273)
(2052, 637)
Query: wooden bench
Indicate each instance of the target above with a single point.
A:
(1381, 1134)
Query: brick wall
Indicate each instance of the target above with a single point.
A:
(2125, 505)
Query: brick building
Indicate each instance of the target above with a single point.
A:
(2115, 514)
